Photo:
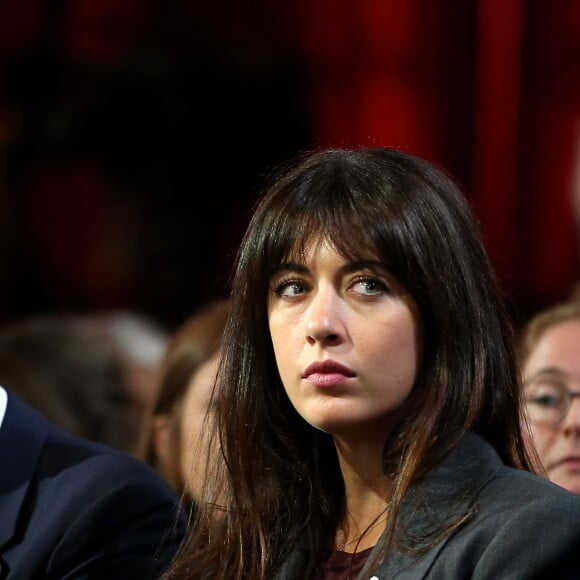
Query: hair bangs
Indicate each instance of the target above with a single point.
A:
(350, 219)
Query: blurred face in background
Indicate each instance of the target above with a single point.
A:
(552, 392)
(196, 404)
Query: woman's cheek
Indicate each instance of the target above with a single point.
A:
(542, 438)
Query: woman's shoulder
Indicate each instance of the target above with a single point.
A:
(522, 524)
(517, 493)
(509, 496)
(525, 526)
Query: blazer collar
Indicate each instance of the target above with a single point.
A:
(446, 494)
(22, 436)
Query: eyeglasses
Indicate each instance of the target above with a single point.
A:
(548, 401)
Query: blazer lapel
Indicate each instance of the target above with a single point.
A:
(22, 437)
(446, 494)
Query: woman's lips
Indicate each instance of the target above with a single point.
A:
(327, 373)
(570, 462)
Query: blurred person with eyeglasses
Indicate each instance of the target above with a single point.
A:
(550, 363)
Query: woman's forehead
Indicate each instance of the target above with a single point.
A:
(312, 243)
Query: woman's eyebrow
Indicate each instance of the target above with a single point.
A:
(547, 372)
(290, 267)
(348, 268)
(356, 265)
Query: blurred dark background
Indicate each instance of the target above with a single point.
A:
(135, 134)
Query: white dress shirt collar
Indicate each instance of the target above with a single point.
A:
(3, 402)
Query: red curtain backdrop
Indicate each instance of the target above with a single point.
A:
(489, 89)
(390, 72)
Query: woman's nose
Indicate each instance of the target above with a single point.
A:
(324, 319)
(572, 419)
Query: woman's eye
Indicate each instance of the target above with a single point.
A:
(548, 394)
(369, 286)
(548, 400)
(289, 288)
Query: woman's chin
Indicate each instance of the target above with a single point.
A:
(569, 481)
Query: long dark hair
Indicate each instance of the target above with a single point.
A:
(281, 476)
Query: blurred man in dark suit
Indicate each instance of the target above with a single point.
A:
(70, 508)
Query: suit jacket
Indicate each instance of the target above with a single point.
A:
(524, 528)
(70, 508)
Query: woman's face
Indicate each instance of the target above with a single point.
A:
(554, 367)
(346, 341)
(194, 443)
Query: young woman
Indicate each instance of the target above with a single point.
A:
(368, 402)
(550, 361)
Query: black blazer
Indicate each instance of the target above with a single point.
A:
(70, 508)
(524, 527)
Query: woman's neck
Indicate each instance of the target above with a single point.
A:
(367, 493)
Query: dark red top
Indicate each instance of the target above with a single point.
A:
(341, 566)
